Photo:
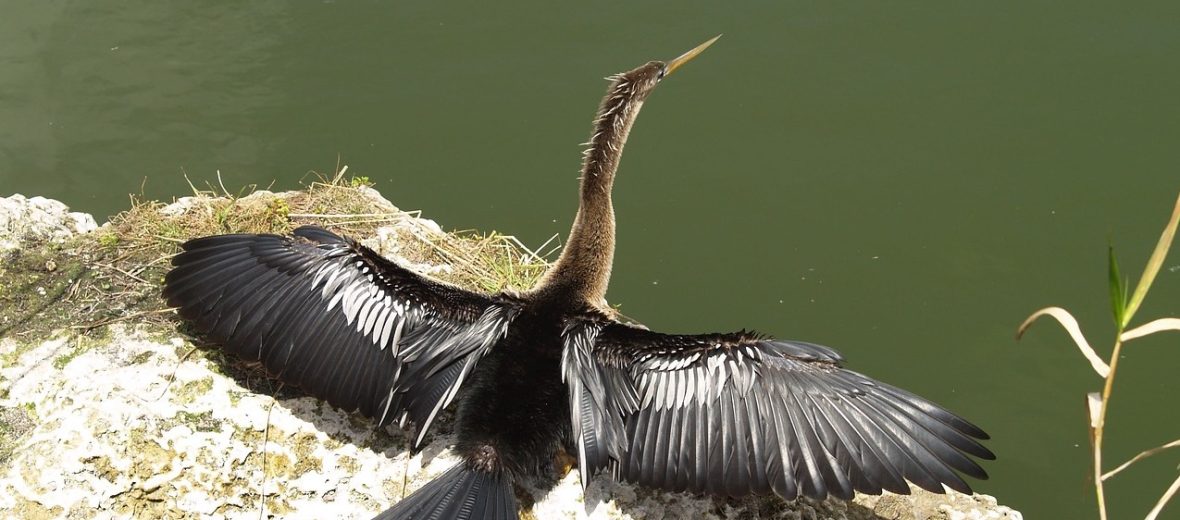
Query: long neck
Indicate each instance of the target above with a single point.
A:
(582, 272)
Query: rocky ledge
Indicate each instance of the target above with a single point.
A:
(39, 219)
(125, 418)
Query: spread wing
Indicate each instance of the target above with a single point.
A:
(734, 414)
(338, 320)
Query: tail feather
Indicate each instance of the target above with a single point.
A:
(459, 494)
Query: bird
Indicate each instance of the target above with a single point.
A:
(553, 373)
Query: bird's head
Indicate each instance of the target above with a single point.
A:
(639, 82)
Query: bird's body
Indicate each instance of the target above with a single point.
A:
(550, 372)
(515, 402)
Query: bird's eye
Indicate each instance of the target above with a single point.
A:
(663, 71)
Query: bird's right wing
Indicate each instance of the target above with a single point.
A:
(338, 320)
(739, 413)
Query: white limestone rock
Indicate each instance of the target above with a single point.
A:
(23, 219)
(112, 437)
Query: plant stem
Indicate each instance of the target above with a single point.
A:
(1100, 424)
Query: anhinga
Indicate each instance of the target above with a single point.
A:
(552, 371)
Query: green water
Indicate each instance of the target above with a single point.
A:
(902, 181)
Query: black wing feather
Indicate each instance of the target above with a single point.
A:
(734, 414)
(333, 317)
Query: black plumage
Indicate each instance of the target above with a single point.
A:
(553, 371)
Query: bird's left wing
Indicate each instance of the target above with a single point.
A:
(739, 413)
(333, 317)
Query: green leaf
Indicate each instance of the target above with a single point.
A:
(1153, 264)
(1118, 290)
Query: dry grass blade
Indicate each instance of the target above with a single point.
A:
(1159, 506)
(92, 326)
(124, 273)
(1071, 326)
(1142, 455)
(1151, 328)
(1154, 263)
(339, 178)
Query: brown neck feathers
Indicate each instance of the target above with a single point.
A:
(582, 273)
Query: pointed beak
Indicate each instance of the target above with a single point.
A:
(686, 57)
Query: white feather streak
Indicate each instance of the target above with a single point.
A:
(397, 335)
(382, 315)
(366, 307)
(387, 328)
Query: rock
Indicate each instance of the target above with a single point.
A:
(115, 435)
(39, 218)
(128, 427)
